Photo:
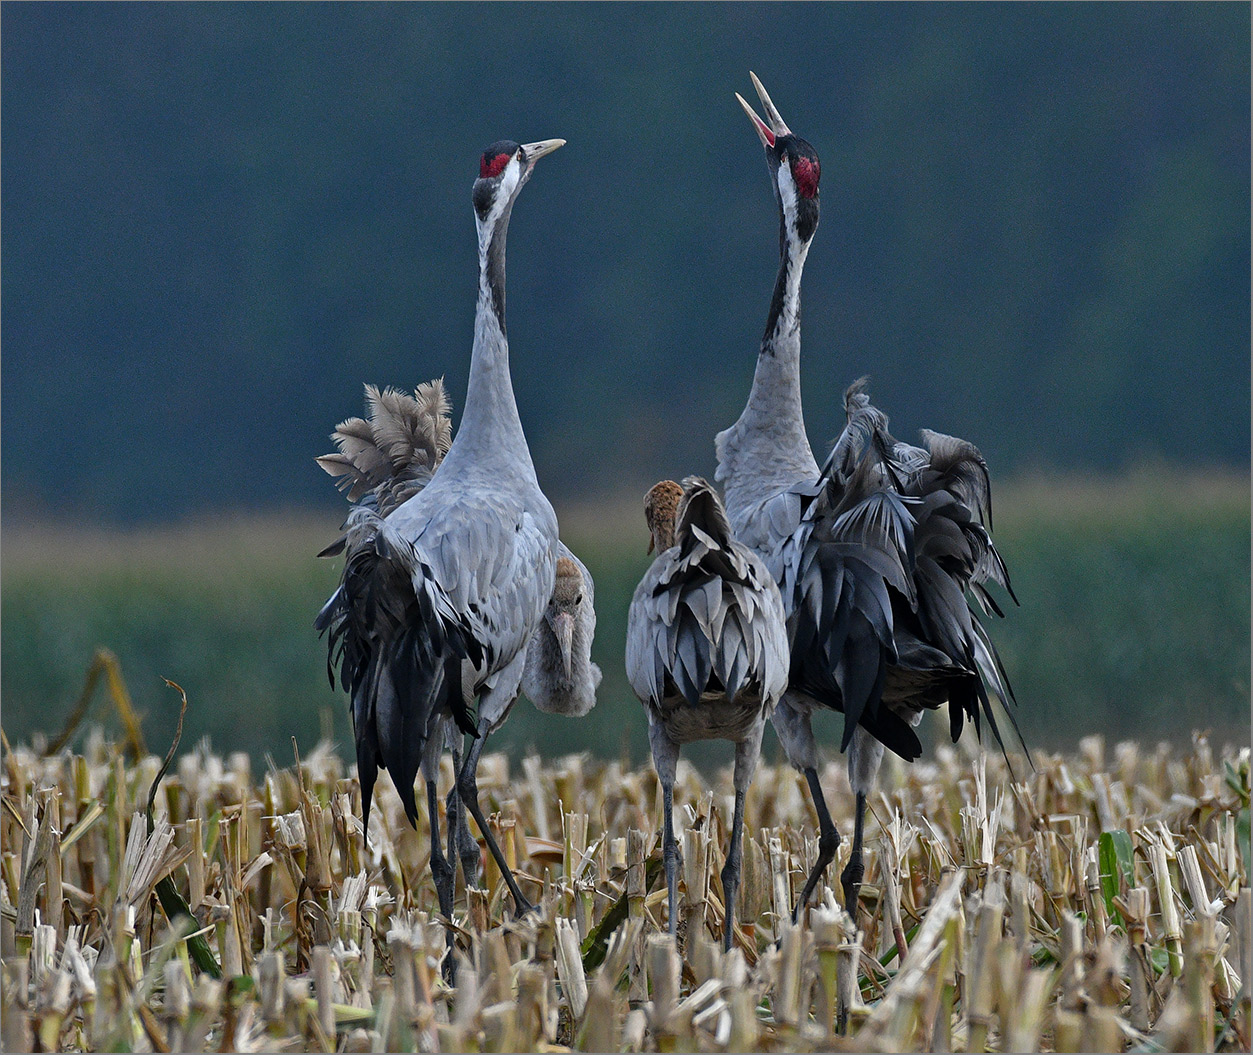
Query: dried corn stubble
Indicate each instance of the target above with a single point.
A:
(994, 917)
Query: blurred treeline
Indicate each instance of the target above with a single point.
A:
(219, 220)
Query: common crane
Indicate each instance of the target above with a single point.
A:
(706, 653)
(440, 598)
(874, 552)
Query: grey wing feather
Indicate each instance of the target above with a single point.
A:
(492, 558)
(898, 536)
(852, 549)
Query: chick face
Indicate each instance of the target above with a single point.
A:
(564, 607)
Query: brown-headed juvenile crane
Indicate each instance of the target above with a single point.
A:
(440, 598)
(706, 653)
(874, 553)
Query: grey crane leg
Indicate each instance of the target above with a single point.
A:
(854, 871)
(444, 874)
(468, 789)
(665, 762)
(828, 841)
(461, 843)
(731, 870)
(670, 855)
(452, 807)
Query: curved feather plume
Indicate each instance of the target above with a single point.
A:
(385, 461)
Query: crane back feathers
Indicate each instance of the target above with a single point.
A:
(706, 644)
(882, 561)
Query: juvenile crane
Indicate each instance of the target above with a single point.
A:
(874, 552)
(440, 597)
(706, 653)
(559, 676)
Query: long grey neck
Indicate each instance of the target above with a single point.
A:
(767, 448)
(490, 436)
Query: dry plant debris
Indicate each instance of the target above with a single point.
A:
(1097, 901)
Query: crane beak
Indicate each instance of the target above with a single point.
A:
(767, 133)
(563, 630)
(535, 151)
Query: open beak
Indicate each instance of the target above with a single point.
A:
(535, 151)
(563, 630)
(767, 133)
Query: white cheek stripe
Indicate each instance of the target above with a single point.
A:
(504, 194)
(787, 190)
(796, 249)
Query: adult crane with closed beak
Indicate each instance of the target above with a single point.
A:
(440, 598)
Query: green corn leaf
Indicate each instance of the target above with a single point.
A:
(596, 944)
(1114, 859)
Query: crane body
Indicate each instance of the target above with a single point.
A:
(874, 551)
(706, 653)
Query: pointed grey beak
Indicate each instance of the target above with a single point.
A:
(767, 133)
(563, 630)
(535, 151)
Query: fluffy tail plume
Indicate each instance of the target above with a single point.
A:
(396, 451)
(385, 461)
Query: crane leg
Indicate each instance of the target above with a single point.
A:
(468, 790)
(444, 874)
(461, 843)
(731, 870)
(670, 854)
(855, 870)
(828, 842)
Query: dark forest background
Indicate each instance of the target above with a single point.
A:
(220, 219)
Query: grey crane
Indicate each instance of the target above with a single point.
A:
(875, 553)
(441, 596)
(386, 459)
(706, 653)
(559, 676)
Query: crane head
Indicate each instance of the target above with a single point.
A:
(504, 167)
(564, 605)
(794, 165)
(661, 505)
